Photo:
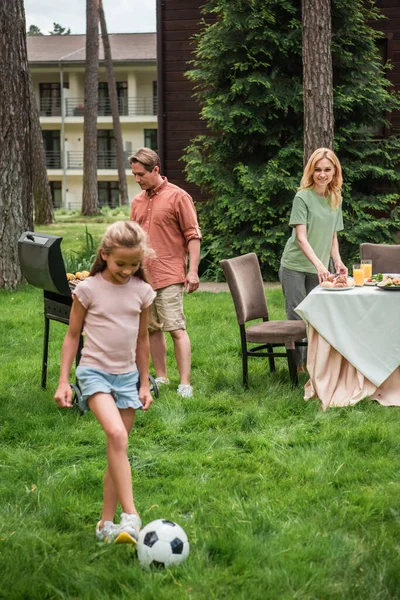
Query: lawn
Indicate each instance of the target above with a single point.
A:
(279, 499)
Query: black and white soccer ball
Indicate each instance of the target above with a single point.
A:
(162, 544)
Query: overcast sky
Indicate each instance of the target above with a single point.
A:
(122, 16)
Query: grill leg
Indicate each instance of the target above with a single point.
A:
(45, 351)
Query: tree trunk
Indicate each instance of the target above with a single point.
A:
(90, 204)
(317, 75)
(43, 202)
(16, 205)
(112, 91)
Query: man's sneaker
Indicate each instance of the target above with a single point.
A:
(185, 390)
(162, 380)
(127, 532)
(107, 533)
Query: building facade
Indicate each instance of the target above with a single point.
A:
(57, 65)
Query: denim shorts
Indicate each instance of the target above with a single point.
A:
(122, 387)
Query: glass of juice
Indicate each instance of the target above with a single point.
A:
(358, 275)
(367, 268)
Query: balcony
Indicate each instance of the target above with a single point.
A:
(53, 159)
(127, 107)
(50, 107)
(105, 160)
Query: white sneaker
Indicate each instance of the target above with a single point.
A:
(185, 390)
(127, 532)
(162, 380)
(107, 533)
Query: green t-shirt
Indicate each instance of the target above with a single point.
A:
(322, 222)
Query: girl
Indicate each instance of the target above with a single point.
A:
(316, 218)
(112, 305)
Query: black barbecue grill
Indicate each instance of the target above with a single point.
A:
(42, 266)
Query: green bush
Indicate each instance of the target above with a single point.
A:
(248, 79)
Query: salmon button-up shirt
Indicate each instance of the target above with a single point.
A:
(168, 215)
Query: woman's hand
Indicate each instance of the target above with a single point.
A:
(340, 267)
(322, 272)
(63, 395)
(145, 396)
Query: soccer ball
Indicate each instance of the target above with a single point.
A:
(162, 544)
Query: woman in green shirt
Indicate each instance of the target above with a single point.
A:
(316, 218)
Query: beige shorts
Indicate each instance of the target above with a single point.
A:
(167, 309)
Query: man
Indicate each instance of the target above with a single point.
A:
(167, 214)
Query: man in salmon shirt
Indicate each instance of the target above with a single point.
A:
(167, 214)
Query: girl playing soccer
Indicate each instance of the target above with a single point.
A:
(112, 306)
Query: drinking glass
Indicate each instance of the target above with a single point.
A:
(367, 267)
(358, 275)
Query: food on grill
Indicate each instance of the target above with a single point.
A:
(76, 278)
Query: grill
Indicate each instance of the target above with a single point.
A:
(42, 266)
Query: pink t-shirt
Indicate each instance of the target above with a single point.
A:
(111, 323)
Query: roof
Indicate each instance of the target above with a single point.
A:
(71, 48)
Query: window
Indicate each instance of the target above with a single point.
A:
(108, 193)
(106, 152)
(104, 98)
(52, 148)
(150, 139)
(55, 188)
(50, 99)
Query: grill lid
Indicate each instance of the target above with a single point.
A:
(42, 263)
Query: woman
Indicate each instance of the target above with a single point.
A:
(316, 218)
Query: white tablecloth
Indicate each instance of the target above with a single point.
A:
(363, 324)
(354, 345)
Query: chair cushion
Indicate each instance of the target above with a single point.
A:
(277, 332)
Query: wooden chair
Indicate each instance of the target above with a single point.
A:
(245, 282)
(385, 257)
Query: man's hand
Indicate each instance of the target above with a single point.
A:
(191, 282)
(63, 395)
(145, 396)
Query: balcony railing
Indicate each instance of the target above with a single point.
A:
(50, 107)
(53, 159)
(105, 160)
(126, 107)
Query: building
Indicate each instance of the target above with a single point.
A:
(179, 120)
(57, 64)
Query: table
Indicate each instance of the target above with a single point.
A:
(353, 345)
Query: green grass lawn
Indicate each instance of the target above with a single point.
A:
(279, 499)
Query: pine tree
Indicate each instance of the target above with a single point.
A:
(90, 202)
(16, 204)
(248, 79)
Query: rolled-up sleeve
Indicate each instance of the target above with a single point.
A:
(187, 218)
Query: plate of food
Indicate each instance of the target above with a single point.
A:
(338, 283)
(374, 279)
(389, 282)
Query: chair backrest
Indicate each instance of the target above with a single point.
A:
(245, 282)
(385, 257)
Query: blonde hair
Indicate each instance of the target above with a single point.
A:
(335, 186)
(146, 157)
(122, 234)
